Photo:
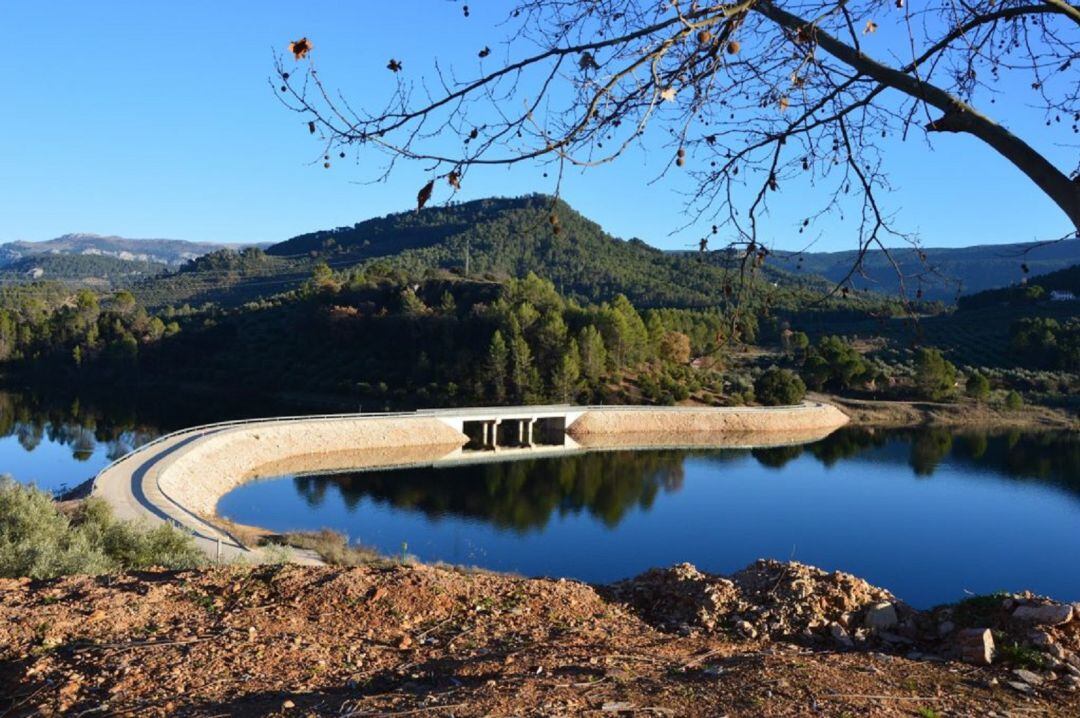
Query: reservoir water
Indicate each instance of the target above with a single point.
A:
(931, 514)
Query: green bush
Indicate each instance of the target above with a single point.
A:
(38, 541)
(834, 364)
(977, 386)
(779, 387)
(1013, 400)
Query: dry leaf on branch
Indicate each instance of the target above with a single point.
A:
(871, 26)
(454, 179)
(393, 65)
(300, 48)
(424, 195)
(311, 127)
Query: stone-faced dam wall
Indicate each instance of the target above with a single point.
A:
(181, 477)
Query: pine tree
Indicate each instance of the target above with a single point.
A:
(593, 354)
(564, 380)
(497, 361)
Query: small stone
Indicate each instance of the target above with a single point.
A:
(840, 635)
(1050, 614)
(288, 705)
(1032, 679)
(746, 629)
(881, 616)
(1071, 683)
(1057, 651)
(1040, 638)
(945, 628)
(1018, 686)
(976, 646)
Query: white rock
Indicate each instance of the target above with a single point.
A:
(1032, 679)
(840, 635)
(1051, 614)
(881, 616)
(976, 646)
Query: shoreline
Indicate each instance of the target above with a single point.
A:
(913, 414)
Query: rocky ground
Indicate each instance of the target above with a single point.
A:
(773, 639)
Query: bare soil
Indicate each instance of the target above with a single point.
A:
(418, 640)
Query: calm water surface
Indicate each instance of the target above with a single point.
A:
(927, 514)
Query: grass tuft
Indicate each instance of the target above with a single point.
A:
(333, 547)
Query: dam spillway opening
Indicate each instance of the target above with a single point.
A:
(514, 433)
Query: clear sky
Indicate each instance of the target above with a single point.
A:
(155, 119)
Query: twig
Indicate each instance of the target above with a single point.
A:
(145, 644)
(879, 698)
(412, 711)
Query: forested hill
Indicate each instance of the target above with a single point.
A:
(91, 270)
(1035, 289)
(945, 273)
(512, 237)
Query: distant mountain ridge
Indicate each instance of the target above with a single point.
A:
(946, 273)
(503, 237)
(171, 252)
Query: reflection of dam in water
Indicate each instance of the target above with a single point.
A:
(180, 477)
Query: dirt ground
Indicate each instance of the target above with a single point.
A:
(426, 641)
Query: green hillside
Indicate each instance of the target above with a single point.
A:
(1034, 290)
(512, 237)
(81, 269)
(487, 239)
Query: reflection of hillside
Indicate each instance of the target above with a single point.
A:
(73, 426)
(519, 495)
(525, 495)
(1050, 456)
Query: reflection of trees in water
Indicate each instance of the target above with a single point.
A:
(776, 457)
(1051, 456)
(32, 420)
(928, 447)
(519, 495)
(523, 495)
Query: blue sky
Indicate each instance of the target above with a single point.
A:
(155, 119)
